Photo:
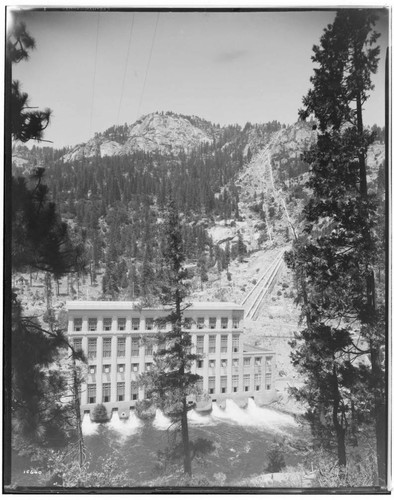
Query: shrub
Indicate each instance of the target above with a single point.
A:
(256, 207)
(99, 414)
(261, 226)
(145, 410)
(220, 478)
(271, 212)
(276, 459)
(360, 470)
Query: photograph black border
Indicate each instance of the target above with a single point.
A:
(7, 270)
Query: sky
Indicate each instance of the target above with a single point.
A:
(96, 69)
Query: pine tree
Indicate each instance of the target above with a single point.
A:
(334, 265)
(276, 459)
(100, 414)
(241, 247)
(170, 384)
(45, 405)
(34, 389)
(39, 240)
(227, 256)
(147, 277)
(25, 123)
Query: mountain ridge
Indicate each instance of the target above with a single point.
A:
(164, 133)
(240, 194)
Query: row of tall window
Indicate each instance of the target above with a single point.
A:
(135, 346)
(235, 387)
(235, 363)
(149, 323)
(107, 347)
(106, 392)
(120, 368)
(135, 367)
(212, 344)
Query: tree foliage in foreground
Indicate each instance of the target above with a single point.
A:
(340, 352)
(170, 384)
(44, 401)
(276, 459)
(26, 122)
(40, 239)
(36, 413)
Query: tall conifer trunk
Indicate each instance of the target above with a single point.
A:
(171, 382)
(347, 58)
(380, 417)
(187, 465)
(370, 308)
(77, 409)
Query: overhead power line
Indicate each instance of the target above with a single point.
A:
(125, 69)
(94, 75)
(148, 66)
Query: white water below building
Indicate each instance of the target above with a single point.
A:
(126, 427)
(250, 416)
(88, 427)
(195, 418)
(161, 421)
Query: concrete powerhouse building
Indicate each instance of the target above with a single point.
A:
(117, 340)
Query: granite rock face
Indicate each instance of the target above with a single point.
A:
(165, 134)
(156, 132)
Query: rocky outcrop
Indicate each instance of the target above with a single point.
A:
(156, 132)
(165, 134)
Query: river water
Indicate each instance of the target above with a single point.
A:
(241, 437)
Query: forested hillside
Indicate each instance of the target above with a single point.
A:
(114, 203)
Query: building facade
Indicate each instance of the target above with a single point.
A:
(117, 339)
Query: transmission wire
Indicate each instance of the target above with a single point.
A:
(148, 66)
(94, 75)
(125, 70)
